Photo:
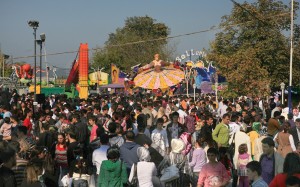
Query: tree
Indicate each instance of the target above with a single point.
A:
(252, 51)
(7, 70)
(136, 42)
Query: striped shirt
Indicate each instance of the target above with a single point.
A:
(61, 156)
(20, 170)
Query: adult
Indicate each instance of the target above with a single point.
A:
(73, 144)
(81, 129)
(145, 177)
(278, 109)
(7, 161)
(99, 154)
(174, 128)
(285, 141)
(112, 171)
(28, 122)
(271, 161)
(291, 167)
(273, 124)
(241, 138)
(254, 174)
(213, 173)
(295, 131)
(60, 158)
(141, 138)
(128, 151)
(221, 132)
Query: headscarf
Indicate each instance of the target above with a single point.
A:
(256, 126)
(186, 137)
(143, 154)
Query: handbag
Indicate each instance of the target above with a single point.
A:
(134, 181)
(170, 173)
(231, 148)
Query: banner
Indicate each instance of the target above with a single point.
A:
(114, 74)
(102, 78)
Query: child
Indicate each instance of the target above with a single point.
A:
(243, 160)
(198, 160)
(213, 173)
(254, 174)
(5, 129)
(159, 137)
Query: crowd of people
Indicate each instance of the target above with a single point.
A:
(147, 140)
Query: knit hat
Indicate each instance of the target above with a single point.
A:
(143, 154)
(177, 145)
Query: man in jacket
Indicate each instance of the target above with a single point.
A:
(221, 132)
(271, 161)
(174, 128)
(128, 151)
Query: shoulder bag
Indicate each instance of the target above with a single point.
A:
(134, 181)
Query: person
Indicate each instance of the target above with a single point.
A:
(5, 129)
(273, 124)
(295, 131)
(198, 160)
(80, 169)
(128, 151)
(285, 141)
(145, 177)
(254, 134)
(99, 154)
(61, 161)
(177, 158)
(112, 171)
(147, 74)
(174, 128)
(254, 174)
(221, 132)
(159, 138)
(239, 139)
(292, 181)
(242, 160)
(271, 160)
(141, 138)
(34, 174)
(92, 122)
(7, 161)
(213, 173)
(291, 167)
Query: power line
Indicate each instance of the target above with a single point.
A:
(151, 40)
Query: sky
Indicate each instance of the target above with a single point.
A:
(68, 23)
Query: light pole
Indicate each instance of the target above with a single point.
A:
(40, 43)
(282, 86)
(34, 24)
(291, 59)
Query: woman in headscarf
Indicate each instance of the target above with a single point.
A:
(145, 170)
(254, 134)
